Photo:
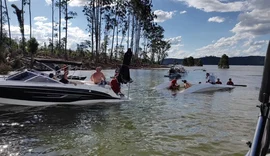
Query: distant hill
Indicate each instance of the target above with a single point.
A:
(213, 60)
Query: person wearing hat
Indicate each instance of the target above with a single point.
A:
(186, 84)
(230, 82)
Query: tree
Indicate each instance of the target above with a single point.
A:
(164, 47)
(52, 27)
(59, 4)
(224, 62)
(6, 12)
(32, 46)
(30, 19)
(185, 62)
(190, 61)
(68, 15)
(20, 18)
(1, 29)
(198, 62)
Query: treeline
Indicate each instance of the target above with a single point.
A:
(109, 24)
(190, 61)
(213, 60)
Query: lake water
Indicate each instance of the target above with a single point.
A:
(152, 123)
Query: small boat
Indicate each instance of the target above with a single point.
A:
(176, 72)
(174, 75)
(206, 87)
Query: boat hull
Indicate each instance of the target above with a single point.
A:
(201, 88)
(33, 95)
(6, 101)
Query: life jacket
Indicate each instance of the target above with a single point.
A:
(173, 85)
(230, 83)
(115, 86)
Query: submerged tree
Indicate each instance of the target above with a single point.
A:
(185, 62)
(198, 62)
(224, 62)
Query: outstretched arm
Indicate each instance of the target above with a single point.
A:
(91, 78)
(103, 76)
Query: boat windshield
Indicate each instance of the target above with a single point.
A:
(42, 79)
(29, 76)
(21, 76)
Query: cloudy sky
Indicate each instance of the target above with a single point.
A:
(195, 27)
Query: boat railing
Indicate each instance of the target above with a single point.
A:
(260, 144)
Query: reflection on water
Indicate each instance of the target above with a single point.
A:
(153, 123)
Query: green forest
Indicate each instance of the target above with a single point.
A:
(108, 23)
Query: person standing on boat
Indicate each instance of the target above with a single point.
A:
(230, 82)
(218, 81)
(98, 77)
(124, 74)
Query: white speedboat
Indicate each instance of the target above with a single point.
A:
(206, 87)
(33, 88)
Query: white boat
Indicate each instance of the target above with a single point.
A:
(206, 87)
(33, 88)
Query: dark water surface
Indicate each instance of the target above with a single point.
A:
(152, 123)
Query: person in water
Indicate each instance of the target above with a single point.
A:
(174, 84)
(218, 81)
(230, 82)
(98, 77)
(186, 84)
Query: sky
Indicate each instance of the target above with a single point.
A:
(195, 28)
